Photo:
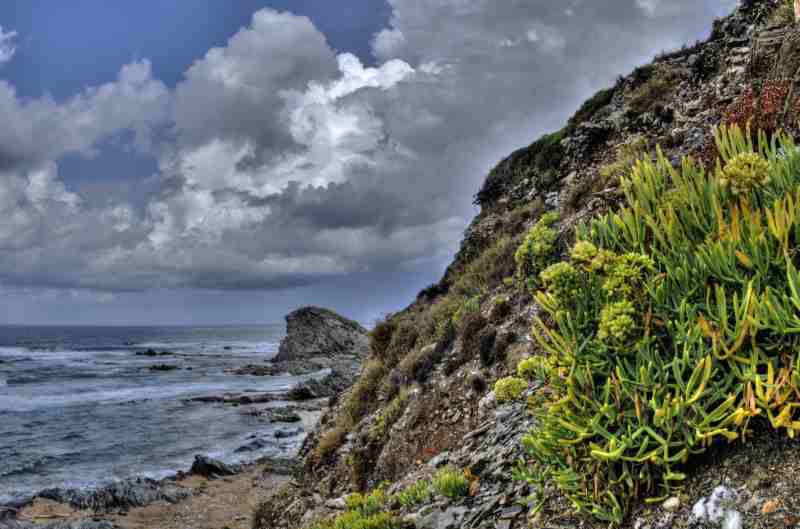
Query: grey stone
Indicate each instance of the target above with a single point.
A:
(313, 331)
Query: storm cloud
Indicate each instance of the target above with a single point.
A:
(283, 163)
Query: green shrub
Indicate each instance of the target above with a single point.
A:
(529, 368)
(627, 155)
(469, 306)
(745, 172)
(451, 483)
(363, 511)
(368, 504)
(419, 492)
(591, 106)
(363, 396)
(418, 364)
(329, 442)
(443, 313)
(403, 341)
(687, 328)
(655, 91)
(509, 388)
(537, 248)
(390, 414)
(381, 336)
(357, 520)
(487, 270)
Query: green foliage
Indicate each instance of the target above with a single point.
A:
(745, 172)
(562, 281)
(419, 364)
(617, 323)
(451, 483)
(415, 494)
(687, 328)
(509, 388)
(403, 340)
(363, 395)
(381, 336)
(364, 511)
(358, 520)
(367, 504)
(390, 414)
(529, 368)
(656, 90)
(627, 155)
(591, 106)
(469, 306)
(444, 311)
(330, 441)
(541, 159)
(537, 248)
(487, 270)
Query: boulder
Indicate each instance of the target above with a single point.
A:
(313, 331)
(211, 468)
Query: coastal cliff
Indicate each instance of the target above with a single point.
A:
(444, 428)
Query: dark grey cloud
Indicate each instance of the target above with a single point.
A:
(286, 164)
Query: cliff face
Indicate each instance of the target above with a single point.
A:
(424, 400)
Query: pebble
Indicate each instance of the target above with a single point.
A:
(672, 504)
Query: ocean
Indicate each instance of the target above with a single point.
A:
(79, 408)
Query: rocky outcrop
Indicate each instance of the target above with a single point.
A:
(210, 468)
(316, 332)
(118, 496)
(81, 524)
(316, 340)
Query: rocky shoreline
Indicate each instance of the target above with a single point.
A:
(335, 347)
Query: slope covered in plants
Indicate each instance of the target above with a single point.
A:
(615, 340)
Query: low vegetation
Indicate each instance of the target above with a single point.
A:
(673, 326)
(654, 92)
(451, 483)
(509, 388)
(419, 492)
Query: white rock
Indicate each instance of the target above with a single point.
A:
(672, 504)
(717, 509)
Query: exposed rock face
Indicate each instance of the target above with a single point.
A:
(122, 495)
(317, 339)
(313, 331)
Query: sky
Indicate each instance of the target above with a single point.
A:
(209, 162)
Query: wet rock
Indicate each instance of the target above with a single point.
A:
(253, 446)
(287, 433)
(153, 352)
(211, 468)
(284, 415)
(122, 495)
(163, 367)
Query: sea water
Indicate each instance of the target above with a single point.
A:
(79, 408)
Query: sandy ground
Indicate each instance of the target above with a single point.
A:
(225, 503)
